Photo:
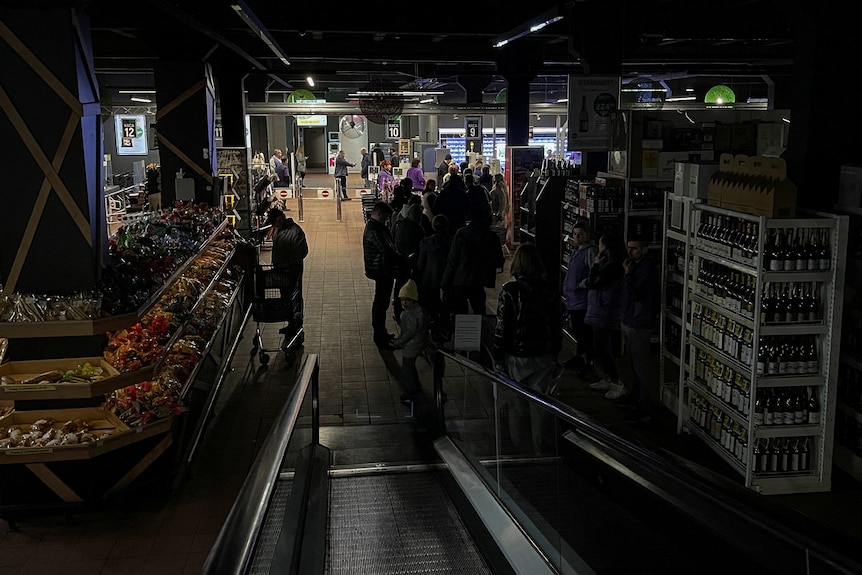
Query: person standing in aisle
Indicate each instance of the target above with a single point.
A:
(499, 201)
(364, 165)
(474, 258)
(443, 168)
(528, 336)
(416, 175)
(289, 249)
(301, 162)
(575, 293)
(604, 310)
(385, 181)
(430, 265)
(381, 265)
(341, 165)
(407, 232)
(394, 158)
(641, 286)
(412, 340)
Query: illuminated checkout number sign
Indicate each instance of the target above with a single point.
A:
(473, 135)
(130, 131)
(393, 130)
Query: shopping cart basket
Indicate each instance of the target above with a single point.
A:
(269, 307)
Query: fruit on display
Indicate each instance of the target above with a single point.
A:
(142, 256)
(82, 373)
(174, 336)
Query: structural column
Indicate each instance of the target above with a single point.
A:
(185, 92)
(52, 228)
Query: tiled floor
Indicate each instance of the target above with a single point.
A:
(151, 531)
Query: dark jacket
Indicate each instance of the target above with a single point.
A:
(381, 259)
(433, 255)
(605, 296)
(529, 319)
(474, 258)
(366, 161)
(408, 232)
(452, 202)
(289, 245)
(641, 295)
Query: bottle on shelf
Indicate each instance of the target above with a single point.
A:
(813, 406)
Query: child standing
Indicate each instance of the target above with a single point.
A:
(413, 339)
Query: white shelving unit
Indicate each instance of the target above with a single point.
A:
(674, 327)
(848, 414)
(739, 358)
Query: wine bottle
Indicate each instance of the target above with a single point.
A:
(759, 402)
(769, 408)
(794, 455)
(799, 408)
(813, 250)
(813, 406)
(804, 455)
(776, 262)
(789, 259)
(799, 251)
(583, 116)
(825, 254)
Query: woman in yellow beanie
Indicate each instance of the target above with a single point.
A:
(412, 341)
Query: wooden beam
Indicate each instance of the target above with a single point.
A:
(54, 483)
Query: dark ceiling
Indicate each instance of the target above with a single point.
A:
(432, 46)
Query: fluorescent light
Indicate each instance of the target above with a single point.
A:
(136, 91)
(144, 100)
(541, 21)
(392, 93)
(562, 100)
(245, 12)
(426, 101)
(310, 81)
(680, 99)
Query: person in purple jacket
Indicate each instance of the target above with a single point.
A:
(575, 294)
(604, 311)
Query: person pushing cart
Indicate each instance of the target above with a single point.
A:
(278, 287)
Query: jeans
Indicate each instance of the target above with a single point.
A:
(382, 293)
(410, 375)
(603, 355)
(530, 426)
(637, 348)
(342, 183)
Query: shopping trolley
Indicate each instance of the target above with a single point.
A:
(269, 307)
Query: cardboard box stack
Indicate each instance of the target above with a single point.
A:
(753, 184)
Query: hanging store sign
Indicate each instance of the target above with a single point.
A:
(393, 129)
(473, 134)
(593, 103)
(131, 135)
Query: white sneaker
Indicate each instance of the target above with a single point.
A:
(616, 391)
(603, 384)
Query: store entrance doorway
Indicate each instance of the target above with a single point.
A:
(314, 140)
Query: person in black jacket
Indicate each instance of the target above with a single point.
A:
(381, 265)
(407, 233)
(433, 254)
(474, 258)
(527, 338)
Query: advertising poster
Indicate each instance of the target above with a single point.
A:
(593, 104)
(131, 135)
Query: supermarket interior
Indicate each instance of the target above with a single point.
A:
(160, 412)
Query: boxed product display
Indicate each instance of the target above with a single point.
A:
(699, 175)
(681, 174)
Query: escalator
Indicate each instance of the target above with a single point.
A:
(593, 503)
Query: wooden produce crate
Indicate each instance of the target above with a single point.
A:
(110, 432)
(111, 380)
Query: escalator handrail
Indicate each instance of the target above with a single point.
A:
(730, 498)
(233, 550)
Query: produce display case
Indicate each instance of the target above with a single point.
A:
(136, 421)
